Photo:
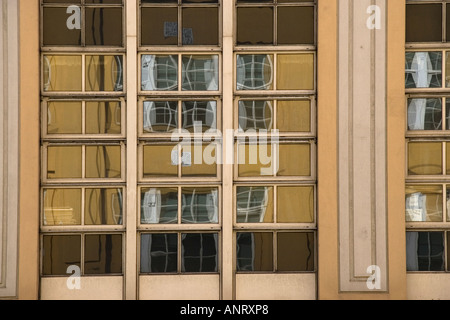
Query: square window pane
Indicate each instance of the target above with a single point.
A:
(295, 252)
(199, 252)
(295, 72)
(159, 253)
(62, 73)
(159, 73)
(200, 73)
(103, 117)
(200, 205)
(295, 25)
(104, 73)
(423, 70)
(59, 253)
(295, 205)
(199, 116)
(424, 203)
(103, 254)
(103, 207)
(56, 32)
(294, 116)
(199, 160)
(300, 167)
(254, 72)
(159, 206)
(159, 26)
(64, 117)
(424, 114)
(63, 162)
(424, 22)
(254, 204)
(103, 162)
(200, 26)
(160, 160)
(254, 251)
(62, 207)
(255, 160)
(160, 116)
(104, 26)
(425, 158)
(425, 251)
(256, 115)
(254, 26)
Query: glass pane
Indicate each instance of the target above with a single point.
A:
(256, 115)
(160, 160)
(103, 117)
(254, 205)
(423, 70)
(64, 117)
(200, 205)
(160, 116)
(300, 167)
(159, 205)
(424, 158)
(103, 162)
(64, 162)
(199, 116)
(447, 69)
(424, 114)
(424, 23)
(255, 160)
(199, 252)
(295, 205)
(159, 73)
(254, 72)
(425, 251)
(103, 254)
(55, 28)
(424, 203)
(104, 73)
(294, 116)
(254, 251)
(199, 160)
(103, 207)
(159, 253)
(295, 252)
(159, 26)
(62, 73)
(62, 207)
(254, 26)
(295, 72)
(59, 253)
(104, 26)
(200, 26)
(200, 73)
(295, 25)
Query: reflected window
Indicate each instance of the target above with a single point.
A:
(159, 73)
(200, 205)
(425, 251)
(424, 204)
(255, 115)
(254, 251)
(200, 73)
(254, 204)
(199, 116)
(159, 253)
(423, 70)
(159, 206)
(103, 207)
(199, 252)
(254, 72)
(424, 114)
(160, 116)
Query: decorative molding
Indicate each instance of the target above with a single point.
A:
(9, 145)
(362, 144)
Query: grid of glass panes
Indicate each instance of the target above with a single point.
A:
(83, 114)
(275, 136)
(180, 118)
(427, 135)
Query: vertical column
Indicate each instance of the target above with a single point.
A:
(131, 155)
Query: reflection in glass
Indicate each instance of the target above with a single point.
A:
(254, 251)
(255, 115)
(200, 73)
(200, 205)
(104, 73)
(159, 73)
(159, 253)
(423, 70)
(200, 26)
(103, 117)
(64, 117)
(424, 204)
(254, 72)
(254, 204)
(425, 251)
(64, 162)
(199, 116)
(159, 205)
(425, 158)
(103, 207)
(160, 160)
(103, 162)
(103, 254)
(199, 160)
(62, 207)
(62, 73)
(59, 253)
(199, 252)
(295, 252)
(424, 114)
(160, 116)
(104, 26)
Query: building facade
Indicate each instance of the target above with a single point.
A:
(224, 149)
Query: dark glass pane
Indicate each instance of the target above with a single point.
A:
(424, 114)
(295, 252)
(425, 251)
(424, 22)
(256, 115)
(196, 113)
(160, 116)
(159, 205)
(56, 31)
(254, 251)
(200, 26)
(295, 25)
(159, 26)
(254, 26)
(159, 253)
(199, 252)
(103, 254)
(104, 26)
(59, 253)
(423, 70)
